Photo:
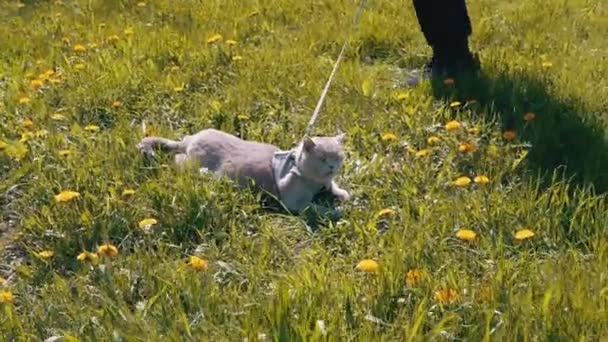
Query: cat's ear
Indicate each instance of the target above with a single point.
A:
(340, 138)
(308, 144)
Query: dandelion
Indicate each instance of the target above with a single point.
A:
(449, 81)
(66, 196)
(481, 179)
(91, 128)
(6, 296)
(388, 137)
(524, 234)
(386, 212)
(214, 38)
(547, 64)
(242, 117)
(116, 104)
(231, 42)
(79, 48)
(128, 193)
(89, 257)
(423, 153)
(368, 266)
(107, 250)
(65, 153)
(199, 264)
(27, 123)
(415, 276)
(24, 99)
(452, 126)
(466, 234)
(237, 58)
(58, 117)
(46, 254)
(446, 296)
(509, 134)
(36, 84)
(462, 181)
(473, 130)
(433, 140)
(455, 104)
(467, 147)
(147, 223)
(178, 89)
(402, 95)
(529, 116)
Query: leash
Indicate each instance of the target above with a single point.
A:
(317, 110)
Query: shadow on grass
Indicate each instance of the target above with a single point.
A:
(565, 137)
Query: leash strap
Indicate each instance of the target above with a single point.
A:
(317, 110)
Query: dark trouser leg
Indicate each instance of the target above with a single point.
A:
(446, 27)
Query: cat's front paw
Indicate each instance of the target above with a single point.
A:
(342, 194)
(145, 149)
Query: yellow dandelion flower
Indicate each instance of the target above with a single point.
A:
(462, 181)
(178, 89)
(474, 130)
(446, 296)
(524, 234)
(388, 137)
(47, 254)
(237, 58)
(147, 222)
(452, 126)
(467, 147)
(36, 84)
(3, 145)
(129, 31)
(66, 196)
(547, 64)
(231, 42)
(113, 38)
(214, 38)
(481, 179)
(79, 48)
(529, 116)
(423, 153)
(386, 212)
(128, 192)
(91, 128)
(242, 117)
(116, 104)
(58, 117)
(6, 297)
(433, 140)
(509, 134)
(89, 257)
(199, 264)
(449, 81)
(455, 104)
(107, 250)
(27, 123)
(24, 100)
(65, 153)
(466, 234)
(415, 276)
(368, 266)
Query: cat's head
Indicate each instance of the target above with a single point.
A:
(320, 158)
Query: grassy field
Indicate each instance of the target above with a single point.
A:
(139, 252)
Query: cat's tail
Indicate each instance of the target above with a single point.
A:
(148, 145)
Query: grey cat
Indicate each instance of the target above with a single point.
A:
(294, 177)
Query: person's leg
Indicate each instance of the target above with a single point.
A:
(446, 27)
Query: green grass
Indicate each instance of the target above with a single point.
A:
(267, 275)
